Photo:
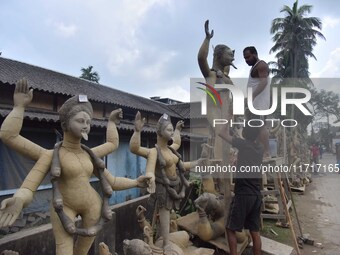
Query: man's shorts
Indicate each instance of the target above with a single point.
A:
(244, 213)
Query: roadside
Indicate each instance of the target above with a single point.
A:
(319, 210)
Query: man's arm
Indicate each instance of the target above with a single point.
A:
(263, 72)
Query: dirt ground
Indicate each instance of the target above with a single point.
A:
(319, 211)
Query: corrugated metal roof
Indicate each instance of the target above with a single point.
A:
(102, 123)
(187, 110)
(54, 117)
(53, 82)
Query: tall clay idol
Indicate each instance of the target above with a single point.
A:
(223, 58)
(166, 169)
(71, 165)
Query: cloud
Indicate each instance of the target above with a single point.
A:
(176, 92)
(178, 89)
(124, 43)
(64, 30)
(331, 68)
(330, 22)
(155, 71)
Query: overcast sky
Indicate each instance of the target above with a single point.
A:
(149, 47)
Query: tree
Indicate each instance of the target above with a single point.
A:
(325, 103)
(295, 36)
(89, 74)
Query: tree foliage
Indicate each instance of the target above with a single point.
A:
(295, 36)
(325, 103)
(89, 74)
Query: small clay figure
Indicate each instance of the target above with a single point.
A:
(165, 167)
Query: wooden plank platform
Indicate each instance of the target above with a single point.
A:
(271, 247)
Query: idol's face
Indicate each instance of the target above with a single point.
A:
(168, 132)
(228, 57)
(79, 125)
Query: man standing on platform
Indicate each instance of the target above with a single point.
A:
(259, 82)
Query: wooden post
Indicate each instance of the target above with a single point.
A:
(284, 202)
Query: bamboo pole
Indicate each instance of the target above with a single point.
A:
(284, 202)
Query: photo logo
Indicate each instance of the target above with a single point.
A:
(238, 99)
(208, 91)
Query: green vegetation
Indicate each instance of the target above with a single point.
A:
(89, 74)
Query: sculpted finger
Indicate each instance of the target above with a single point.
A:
(3, 204)
(151, 191)
(212, 33)
(16, 90)
(24, 86)
(138, 116)
(30, 93)
(14, 217)
(119, 111)
(3, 219)
(19, 86)
(9, 220)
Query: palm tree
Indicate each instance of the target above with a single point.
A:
(295, 36)
(89, 74)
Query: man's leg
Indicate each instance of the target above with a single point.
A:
(235, 221)
(255, 235)
(232, 242)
